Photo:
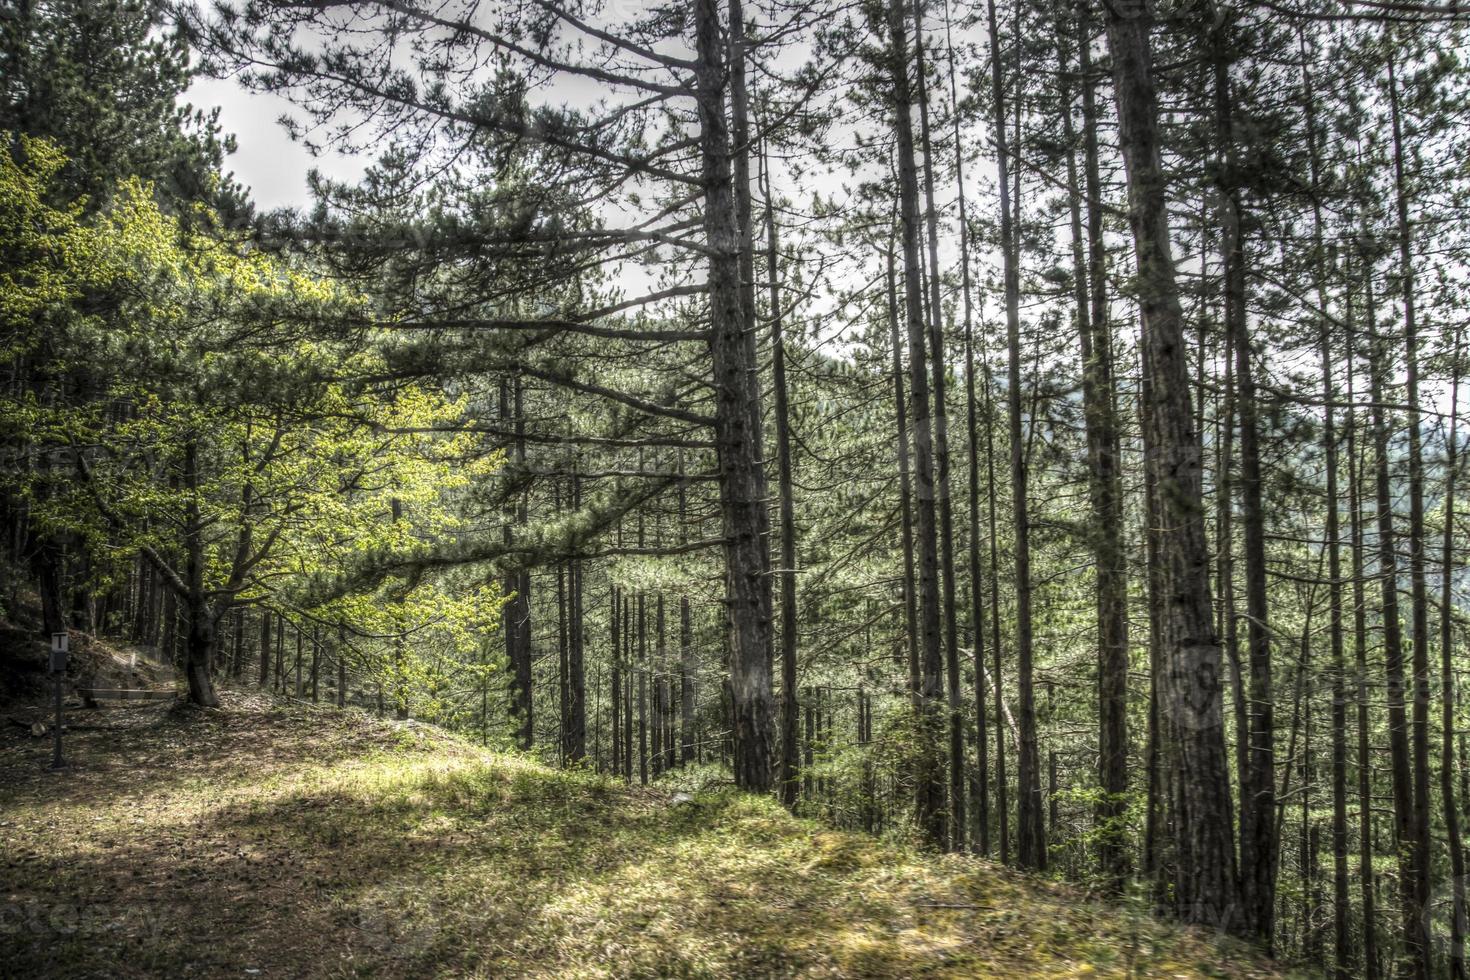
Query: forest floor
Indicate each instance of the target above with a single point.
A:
(276, 840)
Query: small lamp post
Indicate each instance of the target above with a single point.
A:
(58, 672)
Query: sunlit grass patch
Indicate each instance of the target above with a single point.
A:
(308, 842)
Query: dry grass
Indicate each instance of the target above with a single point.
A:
(262, 840)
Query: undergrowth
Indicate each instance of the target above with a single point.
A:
(264, 840)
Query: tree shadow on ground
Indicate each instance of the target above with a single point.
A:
(313, 845)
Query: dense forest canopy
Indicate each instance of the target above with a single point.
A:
(1030, 429)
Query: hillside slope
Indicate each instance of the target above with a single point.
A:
(274, 841)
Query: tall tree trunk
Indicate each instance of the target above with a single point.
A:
(199, 651)
(1225, 557)
(1002, 785)
(1159, 856)
(522, 699)
(743, 490)
(929, 774)
(563, 656)
(342, 666)
(316, 663)
(642, 680)
(265, 648)
(199, 618)
(1342, 950)
(905, 484)
(1104, 483)
(981, 842)
(576, 734)
(615, 653)
(1360, 648)
(660, 635)
(666, 698)
(1447, 685)
(237, 644)
(1415, 938)
(808, 756)
(790, 743)
(1419, 843)
(954, 697)
(740, 149)
(1364, 760)
(1341, 910)
(1206, 885)
(687, 734)
(400, 638)
(145, 575)
(1030, 832)
(1258, 841)
(630, 673)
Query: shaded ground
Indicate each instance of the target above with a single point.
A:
(93, 663)
(274, 841)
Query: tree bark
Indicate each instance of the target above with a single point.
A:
(1030, 832)
(1415, 938)
(1104, 483)
(576, 733)
(342, 666)
(1420, 842)
(687, 732)
(980, 842)
(1158, 857)
(563, 655)
(905, 484)
(265, 647)
(1002, 784)
(1206, 884)
(400, 641)
(615, 653)
(790, 743)
(1447, 679)
(316, 663)
(522, 704)
(1258, 840)
(1341, 910)
(630, 673)
(642, 682)
(957, 818)
(199, 618)
(929, 774)
(742, 477)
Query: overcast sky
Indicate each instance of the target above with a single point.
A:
(268, 161)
